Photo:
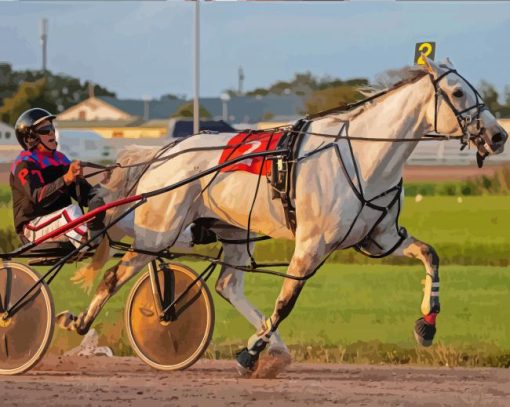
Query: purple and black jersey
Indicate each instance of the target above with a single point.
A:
(38, 186)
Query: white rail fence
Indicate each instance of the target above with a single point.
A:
(448, 153)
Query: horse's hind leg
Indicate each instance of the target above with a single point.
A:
(114, 278)
(425, 327)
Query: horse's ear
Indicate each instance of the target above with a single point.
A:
(430, 65)
(448, 63)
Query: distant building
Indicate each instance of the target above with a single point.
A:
(9, 147)
(7, 135)
(107, 111)
(249, 109)
(272, 124)
(178, 128)
(118, 129)
(108, 108)
(84, 145)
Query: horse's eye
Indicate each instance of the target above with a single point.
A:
(458, 93)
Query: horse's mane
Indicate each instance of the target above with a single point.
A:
(395, 78)
(386, 82)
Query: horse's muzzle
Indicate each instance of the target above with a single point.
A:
(498, 141)
(488, 144)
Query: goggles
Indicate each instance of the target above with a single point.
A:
(45, 130)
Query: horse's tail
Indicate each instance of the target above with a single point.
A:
(116, 186)
(86, 275)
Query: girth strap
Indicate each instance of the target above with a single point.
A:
(283, 171)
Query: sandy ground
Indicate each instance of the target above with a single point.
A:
(101, 381)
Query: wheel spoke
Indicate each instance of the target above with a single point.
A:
(172, 342)
(5, 297)
(6, 347)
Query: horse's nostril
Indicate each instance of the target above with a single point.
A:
(498, 138)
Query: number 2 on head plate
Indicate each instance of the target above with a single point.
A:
(424, 48)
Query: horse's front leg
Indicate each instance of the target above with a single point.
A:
(230, 286)
(425, 327)
(114, 278)
(306, 259)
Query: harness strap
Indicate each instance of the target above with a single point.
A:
(284, 171)
(358, 191)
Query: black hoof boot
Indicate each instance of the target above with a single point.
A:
(246, 361)
(248, 358)
(423, 332)
(82, 327)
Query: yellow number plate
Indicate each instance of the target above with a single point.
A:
(426, 48)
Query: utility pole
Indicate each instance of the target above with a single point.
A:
(241, 80)
(196, 69)
(146, 100)
(225, 98)
(44, 41)
(91, 89)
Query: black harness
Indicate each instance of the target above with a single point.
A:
(283, 182)
(283, 171)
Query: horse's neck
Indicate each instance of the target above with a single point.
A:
(400, 115)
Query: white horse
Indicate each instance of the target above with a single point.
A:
(347, 193)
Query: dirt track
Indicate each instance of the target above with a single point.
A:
(73, 381)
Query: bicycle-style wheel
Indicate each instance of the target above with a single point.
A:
(26, 334)
(178, 343)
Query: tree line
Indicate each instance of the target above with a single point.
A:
(21, 90)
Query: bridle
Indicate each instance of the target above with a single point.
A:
(464, 117)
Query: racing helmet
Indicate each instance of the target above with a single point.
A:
(25, 124)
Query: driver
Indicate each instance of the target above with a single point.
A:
(43, 181)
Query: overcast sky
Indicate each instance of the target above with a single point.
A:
(144, 48)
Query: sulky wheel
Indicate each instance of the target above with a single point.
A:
(179, 341)
(26, 334)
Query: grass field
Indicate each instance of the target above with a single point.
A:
(476, 231)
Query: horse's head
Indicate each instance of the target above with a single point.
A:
(460, 111)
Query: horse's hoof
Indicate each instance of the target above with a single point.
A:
(246, 362)
(272, 363)
(65, 320)
(424, 333)
(82, 328)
